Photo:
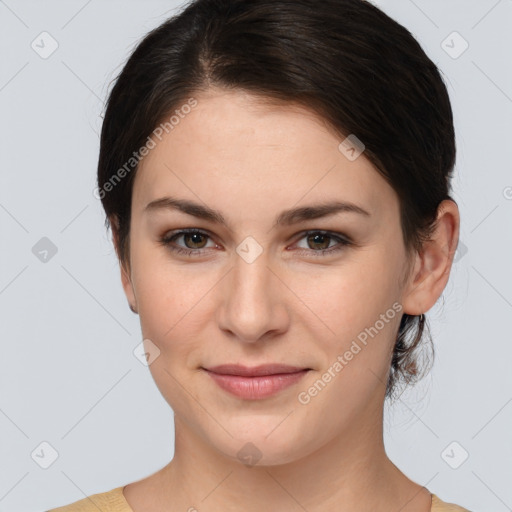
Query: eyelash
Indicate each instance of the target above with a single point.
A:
(167, 240)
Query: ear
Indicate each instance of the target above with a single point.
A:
(123, 265)
(432, 266)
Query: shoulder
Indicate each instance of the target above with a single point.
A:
(109, 501)
(439, 505)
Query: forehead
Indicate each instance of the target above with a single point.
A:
(233, 143)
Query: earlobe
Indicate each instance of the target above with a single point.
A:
(412, 303)
(433, 265)
(124, 267)
(128, 287)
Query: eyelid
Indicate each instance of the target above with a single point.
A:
(332, 234)
(343, 241)
(170, 236)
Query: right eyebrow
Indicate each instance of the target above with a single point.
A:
(287, 217)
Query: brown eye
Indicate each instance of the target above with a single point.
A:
(194, 240)
(320, 240)
(319, 243)
(193, 244)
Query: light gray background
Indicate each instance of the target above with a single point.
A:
(67, 372)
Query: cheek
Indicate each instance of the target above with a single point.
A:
(331, 305)
(341, 301)
(174, 302)
(355, 332)
(168, 303)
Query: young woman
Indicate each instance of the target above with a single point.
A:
(276, 174)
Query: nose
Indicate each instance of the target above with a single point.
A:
(252, 301)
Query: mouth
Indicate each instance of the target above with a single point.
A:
(257, 382)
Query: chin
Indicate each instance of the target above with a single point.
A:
(265, 443)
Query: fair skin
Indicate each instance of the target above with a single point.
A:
(290, 305)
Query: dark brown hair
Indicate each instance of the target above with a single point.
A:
(345, 60)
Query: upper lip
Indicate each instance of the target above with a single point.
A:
(254, 371)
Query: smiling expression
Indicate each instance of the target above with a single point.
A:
(254, 240)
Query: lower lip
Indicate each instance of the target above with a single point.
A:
(254, 388)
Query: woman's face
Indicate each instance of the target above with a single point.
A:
(250, 292)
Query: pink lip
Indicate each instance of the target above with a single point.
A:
(257, 382)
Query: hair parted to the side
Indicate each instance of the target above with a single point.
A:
(345, 60)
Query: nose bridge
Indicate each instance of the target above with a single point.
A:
(249, 306)
(252, 278)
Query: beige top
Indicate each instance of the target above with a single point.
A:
(114, 501)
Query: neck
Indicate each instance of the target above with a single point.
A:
(350, 473)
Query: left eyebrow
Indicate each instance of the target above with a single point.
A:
(287, 217)
(295, 215)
